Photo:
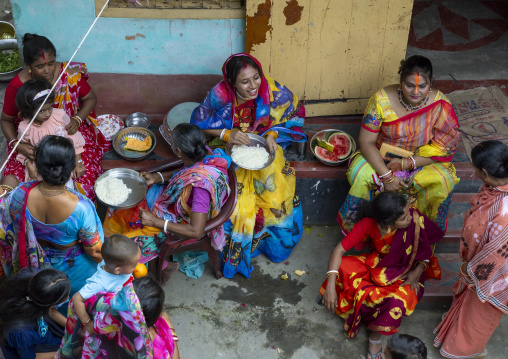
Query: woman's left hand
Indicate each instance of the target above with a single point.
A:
(73, 126)
(272, 145)
(79, 170)
(412, 278)
(147, 218)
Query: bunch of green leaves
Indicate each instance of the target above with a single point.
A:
(9, 61)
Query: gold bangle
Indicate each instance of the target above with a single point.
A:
(273, 133)
(402, 164)
(226, 136)
(425, 264)
(389, 180)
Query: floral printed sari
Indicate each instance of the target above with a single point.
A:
(268, 215)
(119, 325)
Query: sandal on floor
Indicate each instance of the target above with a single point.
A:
(379, 354)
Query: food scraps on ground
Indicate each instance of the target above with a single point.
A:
(284, 276)
(9, 61)
(299, 272)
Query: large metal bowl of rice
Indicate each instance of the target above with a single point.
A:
(251, 156)
(113, 194)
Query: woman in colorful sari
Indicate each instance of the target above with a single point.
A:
(193, 195)
(268, 215)
(380, 287)
(481, 292)
(73, 95)
(44, 224)
(128, 324)
(415, 118)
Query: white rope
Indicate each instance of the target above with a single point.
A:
(56, 82)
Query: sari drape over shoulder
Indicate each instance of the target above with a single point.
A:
(268, 215)
(277, 108)
(429, 132)
(171, 202)
(369, 286)
(481, 296)
(19, 247)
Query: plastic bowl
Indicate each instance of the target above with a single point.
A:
(254, 141)
(140, 133)
(137, 119)
(324, 135)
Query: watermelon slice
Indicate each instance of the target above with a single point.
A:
(341, 144)
(325, 155)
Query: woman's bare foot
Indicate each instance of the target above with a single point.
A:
(168, 272)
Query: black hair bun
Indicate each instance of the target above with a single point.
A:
(27, 37)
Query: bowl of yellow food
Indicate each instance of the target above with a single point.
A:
(134, 143)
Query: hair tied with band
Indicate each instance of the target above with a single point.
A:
(41, 93)
(28, 299)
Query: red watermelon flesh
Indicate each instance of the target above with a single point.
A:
(325, 155)
(341, 145)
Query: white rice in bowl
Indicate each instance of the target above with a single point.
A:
(249, 157)
(112, 191)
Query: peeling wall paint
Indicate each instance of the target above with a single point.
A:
(259, 25)
(125, 45)
(292, 12)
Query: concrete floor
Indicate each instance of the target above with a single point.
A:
(258, 317)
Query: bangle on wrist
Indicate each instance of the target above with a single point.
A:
(166, 225)
(413, 161)
(385, 175)
(222, 134)
(226, 135)
(275, 134)
(85, 323)
(80, 121)
(162, 177)
(12, 141)
(330, 272)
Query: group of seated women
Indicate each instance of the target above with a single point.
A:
(397, 204)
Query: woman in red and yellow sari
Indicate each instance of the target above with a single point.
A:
(380, 287)
(481, 292)
(420, 120)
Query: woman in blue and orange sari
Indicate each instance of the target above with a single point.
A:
(380, 287)
(268, 215)
(193, 194)
(413, 117)
(43, 224)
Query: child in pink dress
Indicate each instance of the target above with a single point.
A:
(49, 121)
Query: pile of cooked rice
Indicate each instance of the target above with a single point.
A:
(112, 191)
(249, 157)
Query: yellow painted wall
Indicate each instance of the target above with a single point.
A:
(330, 49)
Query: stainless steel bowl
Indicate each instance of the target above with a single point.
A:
(254, 141)
(7, 28)
(140, 133)
(6, 45)
(324, 135)
(137, 119)
(132, 180)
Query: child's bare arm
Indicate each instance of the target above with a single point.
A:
(57, 317)
(79, 307)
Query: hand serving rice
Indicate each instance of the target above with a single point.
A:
(112, 191)
(249, 157)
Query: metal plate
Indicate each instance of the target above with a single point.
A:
(132, 180)
(137, 119)
(254, 141)
(324, 135)
(140, 133)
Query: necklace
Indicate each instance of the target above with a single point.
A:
(243, 98)
(47, 192)
(409, 107)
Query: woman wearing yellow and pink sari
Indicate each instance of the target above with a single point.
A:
(481, 292)
(413, 117)
(268, 215)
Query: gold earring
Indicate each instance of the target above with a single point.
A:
(30, 71)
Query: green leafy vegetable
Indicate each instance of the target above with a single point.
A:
(9, 61)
